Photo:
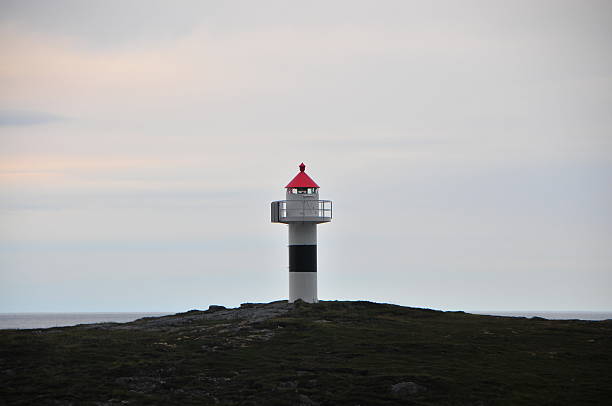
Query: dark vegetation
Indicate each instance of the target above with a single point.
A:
(331, 353)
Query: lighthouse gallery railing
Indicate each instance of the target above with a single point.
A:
(305, 210)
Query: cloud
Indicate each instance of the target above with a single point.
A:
(26, 118)
(108, 24)
(451, 137)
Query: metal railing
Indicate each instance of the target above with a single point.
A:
(307, 210)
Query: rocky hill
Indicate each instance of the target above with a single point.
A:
(330, 353)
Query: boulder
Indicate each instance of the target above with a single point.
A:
(406, 389)
(306, 401)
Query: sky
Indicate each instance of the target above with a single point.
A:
(467, 148)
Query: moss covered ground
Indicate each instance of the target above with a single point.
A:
(330, 353)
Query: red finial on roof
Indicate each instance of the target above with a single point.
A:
(301, 179)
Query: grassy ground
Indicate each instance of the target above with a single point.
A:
(331, 353)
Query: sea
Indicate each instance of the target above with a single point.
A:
(46, 320)
(565, 315)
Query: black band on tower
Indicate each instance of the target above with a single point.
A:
(302, 258)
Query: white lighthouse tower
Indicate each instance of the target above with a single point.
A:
(302, 211)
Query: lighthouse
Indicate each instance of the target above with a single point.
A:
(302, 211)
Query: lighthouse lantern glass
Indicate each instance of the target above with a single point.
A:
(304, 190)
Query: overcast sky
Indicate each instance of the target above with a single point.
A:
(467, 146)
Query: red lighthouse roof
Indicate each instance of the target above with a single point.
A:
(301, 179)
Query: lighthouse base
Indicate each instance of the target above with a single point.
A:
(303, 285)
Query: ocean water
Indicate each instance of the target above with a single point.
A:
(567, 315)
(46, 320)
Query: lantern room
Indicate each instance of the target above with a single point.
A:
(302, 202)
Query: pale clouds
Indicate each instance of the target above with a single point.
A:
(483, 127)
